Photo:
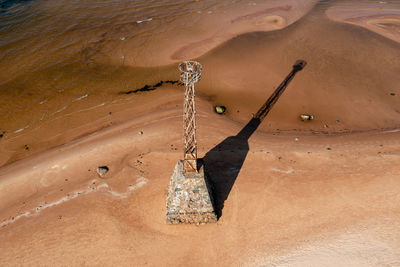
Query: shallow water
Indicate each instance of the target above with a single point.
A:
(48, 51)
(59, 58)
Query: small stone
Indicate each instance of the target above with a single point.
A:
(102, 170)
(296, 139)
(337, 121)
(220, 109)
(141, 132)
(392, 94)
(122, 38)
(326, 126)
(306, 117)
(26, 147)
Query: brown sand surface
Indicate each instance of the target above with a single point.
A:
(382, 18)
(350, 84)
(349, 70)
(317, 193)
(192, 36)
(293, 203)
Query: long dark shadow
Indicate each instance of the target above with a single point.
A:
(222, 164)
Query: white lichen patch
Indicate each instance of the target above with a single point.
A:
(288, 171)
(92, 187)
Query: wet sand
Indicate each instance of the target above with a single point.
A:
(308, 193)
(384, 20)
(87, 76)
(341, 79)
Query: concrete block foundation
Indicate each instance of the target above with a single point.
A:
(189, 198)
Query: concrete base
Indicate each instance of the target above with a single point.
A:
(189, 199)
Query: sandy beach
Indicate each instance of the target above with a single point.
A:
(313, 201)
(324, 192)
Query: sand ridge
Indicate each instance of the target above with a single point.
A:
(383, 19)
(198, 34)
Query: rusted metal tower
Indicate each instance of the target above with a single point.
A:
(189, 199)
(190, 74)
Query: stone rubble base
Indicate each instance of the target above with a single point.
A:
(189, 198)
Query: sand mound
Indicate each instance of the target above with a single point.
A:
(339, 85)
(383, 19)
(207, 29)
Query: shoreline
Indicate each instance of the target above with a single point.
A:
(229, 87)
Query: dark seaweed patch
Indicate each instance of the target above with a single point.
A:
(147, 87)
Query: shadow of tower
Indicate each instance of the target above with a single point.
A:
(223, 163)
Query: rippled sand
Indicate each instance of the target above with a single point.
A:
(74, 80)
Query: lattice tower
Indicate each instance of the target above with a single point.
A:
(190, 74)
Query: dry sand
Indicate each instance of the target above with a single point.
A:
(306, 195)
(294, 202)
